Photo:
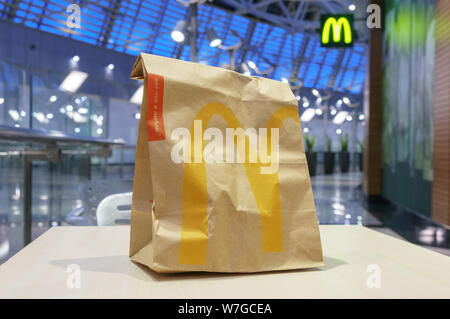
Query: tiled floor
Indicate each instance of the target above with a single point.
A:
(338, 200)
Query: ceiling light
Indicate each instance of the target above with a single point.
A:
(73, 81)
(284, 80)
(305, 101)
(352, 7)
(97, 119)
(308, 115)
(361, 117)
(305, 130)
(319, 100)
(14, 114)
(23, 113)
(338, 206)
(346, 100)
(340, 117)
(2, 100)
(110, 66)
(69, 108)
(137, 116)
(338, 131)
(53, 98)
(213, 39)
(179, 32)
(99, 131)
(177, 36)
(298, 97)
(40, 117)
(333, 112)
(83, 110)
(349, 118)
(339, 102)
(315, 92)
(78, 118)
(77, 130)
(244, 69)
(251, 64)
(138, 95)
(75, 58)
(70, 114)
(49, 116)
(319, 112)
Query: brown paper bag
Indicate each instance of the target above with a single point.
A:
(221, 181)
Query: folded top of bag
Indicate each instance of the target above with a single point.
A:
(226, 81)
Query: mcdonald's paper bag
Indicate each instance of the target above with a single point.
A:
(221, 181)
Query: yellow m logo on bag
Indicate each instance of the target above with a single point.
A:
(265, 188)
(340, 28)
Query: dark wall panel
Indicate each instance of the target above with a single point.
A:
(441, 156)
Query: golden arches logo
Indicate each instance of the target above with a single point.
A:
(337, 26)
(265, 188)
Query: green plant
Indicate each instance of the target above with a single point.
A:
(310, 141)
(361, 146)
(329, 144)
(344, 142)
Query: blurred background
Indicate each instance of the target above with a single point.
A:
(374, 110)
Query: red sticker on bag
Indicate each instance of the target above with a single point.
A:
(155, 120)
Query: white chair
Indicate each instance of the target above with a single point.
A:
(114, 209)
(91, 193)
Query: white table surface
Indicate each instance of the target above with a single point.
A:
(40, 270)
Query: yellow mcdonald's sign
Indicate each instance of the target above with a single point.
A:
(336, 30)
(265, 189)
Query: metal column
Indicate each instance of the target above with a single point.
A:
(193, 31)
(27, 178)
